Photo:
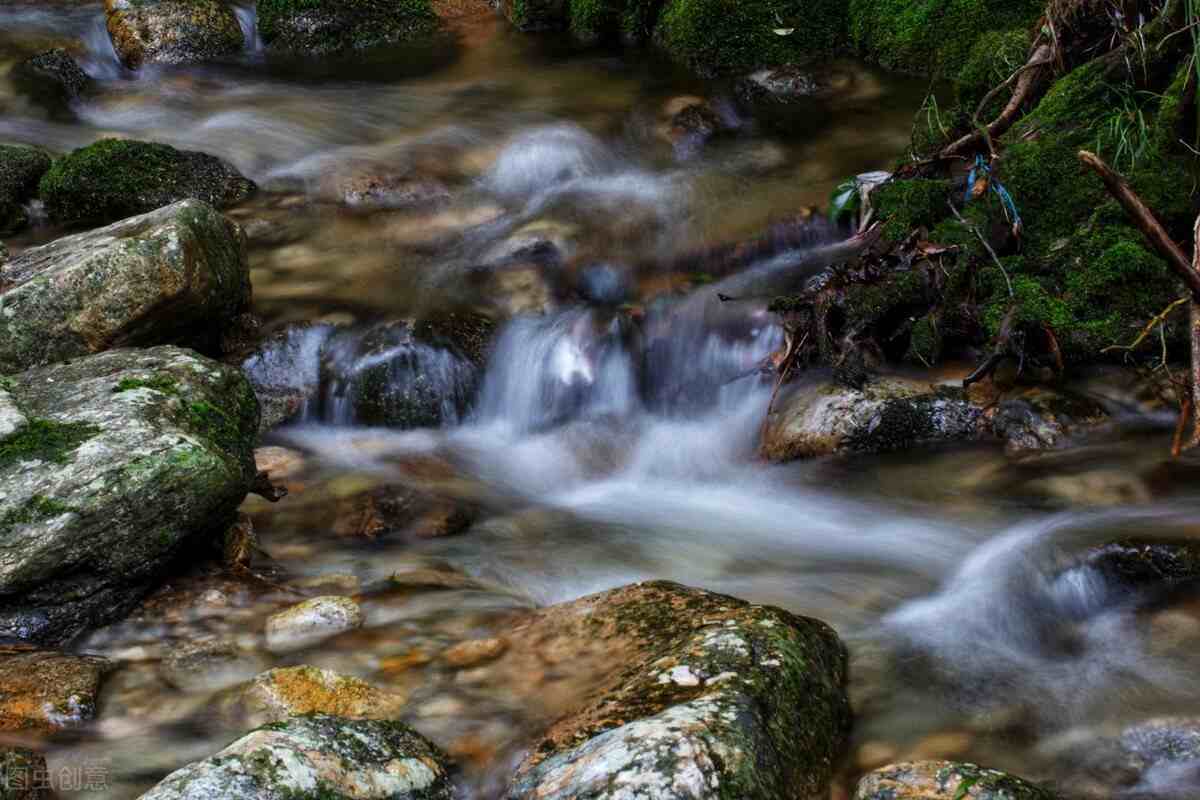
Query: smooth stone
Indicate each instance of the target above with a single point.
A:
(310, 622)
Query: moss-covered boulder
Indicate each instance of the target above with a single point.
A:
(20, 170)
(931, 36)
(316, 756)
(176, 275)
(109, 465)
(945, 780)
(711, 697)
(117, 178)
(724, 36)
(322, 27)
(172, 31)
(402, 374)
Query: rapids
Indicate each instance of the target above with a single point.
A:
(594, 451)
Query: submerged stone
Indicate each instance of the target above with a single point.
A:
(175, 275)
(713, 697)
(312, 621)
(945, 780)
(46, 690)
(172, 31)
(116, 178)
(317, 756)
(124, 458)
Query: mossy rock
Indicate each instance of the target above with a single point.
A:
(111, 465)
(317, 757)
(322, 27)
(729, 36)
(175, 275)
(932, 36)
(117, 178)
(172, 31)
(905, 205)
(20, 170)
(537, 15)
(629, 21)
(52, 78)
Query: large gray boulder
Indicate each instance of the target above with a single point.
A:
(109, 465)
(713, 697)
(175, 275)
(172, 31)
(317, 756)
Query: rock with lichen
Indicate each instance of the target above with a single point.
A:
(172, 31)
(709, 696)
(281, 693)
(316, 756)
(311, 622)
(47, 691)
(116, 178)
(945, 780)
(110, 466)
(175, 275)
(323, 27)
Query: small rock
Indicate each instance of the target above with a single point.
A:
(53, 76)
(208, 665)
(289, 691)
(285, 372)
(473, 653)
(316, 755)
(279, 463)
(312, 621)
(944, 780)
(46, 690)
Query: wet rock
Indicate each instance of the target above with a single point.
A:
(312, 621)
(20, 774)
(336, 26)
(404, 374)
(945, 780)
(711, 696)
(47, 691)
(604, 285)
(1156, 759)
(1148, 563)
(208, 665)
(171, 31)
(693, 125)
(885, 415)
(1043, 419)
(116, 178)
(175, 275)
(20, 170)
(474, 652)
(276, 695)
(370, 188)
(770, 91)
(546, 242)
(285, 371)
(400, 509)
(52, 78)
(122, 459)
(316, 755)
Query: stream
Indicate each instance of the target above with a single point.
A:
(590, 453)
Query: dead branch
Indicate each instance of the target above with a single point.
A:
(1029, 81)
(1159, 319)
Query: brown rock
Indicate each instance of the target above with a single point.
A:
(474, 652)
(47, 690)
(289, 691)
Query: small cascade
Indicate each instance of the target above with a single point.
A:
(101, 62)
(247, 16)
(548, 370)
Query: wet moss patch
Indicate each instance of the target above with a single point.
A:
(45, 440)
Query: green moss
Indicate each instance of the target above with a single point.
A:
(165, 383)
(116, 178)
(723, 36)
(45, 440)
(37, 508)
(909, 204)
(932, 36)
(20, 170)
(631, 21)
(995, 56)
(342, 25)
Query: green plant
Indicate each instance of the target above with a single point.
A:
(1124, 135)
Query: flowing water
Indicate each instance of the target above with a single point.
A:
(611, 436)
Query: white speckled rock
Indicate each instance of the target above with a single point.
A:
(175, 275)
(316, 756)
(713, 698)
(172, 31)
(310, 622)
